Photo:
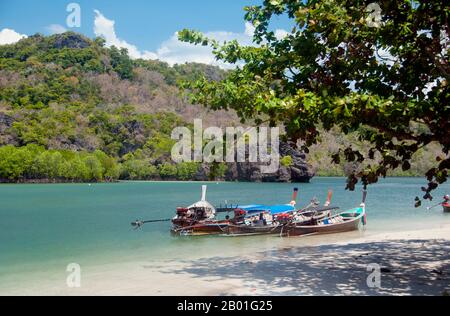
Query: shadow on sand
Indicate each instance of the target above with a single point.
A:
(407, 268)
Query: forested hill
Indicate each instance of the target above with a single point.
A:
(73, 110)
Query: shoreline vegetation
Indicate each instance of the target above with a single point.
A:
(35, 164)
(56, 181)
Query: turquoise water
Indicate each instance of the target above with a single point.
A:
(45, 227)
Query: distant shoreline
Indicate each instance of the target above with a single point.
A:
(3, 182)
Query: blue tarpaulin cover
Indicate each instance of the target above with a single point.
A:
(274, 209)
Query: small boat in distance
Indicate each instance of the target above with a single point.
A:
(445, 204)
(346, 221)
(446, 207)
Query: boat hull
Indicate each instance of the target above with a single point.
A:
(446, 207)
(245, 230)
(202, 229)
(350, 224)
(226, 228)
(277, 229)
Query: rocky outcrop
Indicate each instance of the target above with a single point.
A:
(69, 40)
(297, 171)
(5, 122)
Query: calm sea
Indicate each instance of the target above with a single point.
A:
(45, 227)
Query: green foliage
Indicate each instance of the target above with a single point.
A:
(185, 72)
(334, 68)
(138, 170)
(55, 95)
(187, 170)
(321, 161)
(94, 168)
(56, 108)
(110, 168)
(67, 57)
(286, 161)
(14, 162)
(32, 162)
(168, 171)
(121, 62)
(217, 171)
(159, 146)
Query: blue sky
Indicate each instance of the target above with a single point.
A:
(147, 25)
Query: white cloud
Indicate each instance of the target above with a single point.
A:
(249, 29)
(104, 27)
(172, 50)
(8, 36)
(56, 29)
(280, 34)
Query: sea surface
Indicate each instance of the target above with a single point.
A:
(43, 228)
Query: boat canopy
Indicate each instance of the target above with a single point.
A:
(202, 204)
(210, 210)
(273, 209)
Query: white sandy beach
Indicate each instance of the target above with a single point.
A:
(412, 262)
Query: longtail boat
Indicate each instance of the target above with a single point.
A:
(313, 212)
(446, 207)
(264, 220)
(256, 220)
(198, 219)
(347, 221)
(445, 204)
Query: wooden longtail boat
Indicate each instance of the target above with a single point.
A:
(276, 226)
(201, 229)
(265, 220)
(248, 230)
(198, 219)
(446, 207)
(346, 221)
(446, 204)
(256, 220)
